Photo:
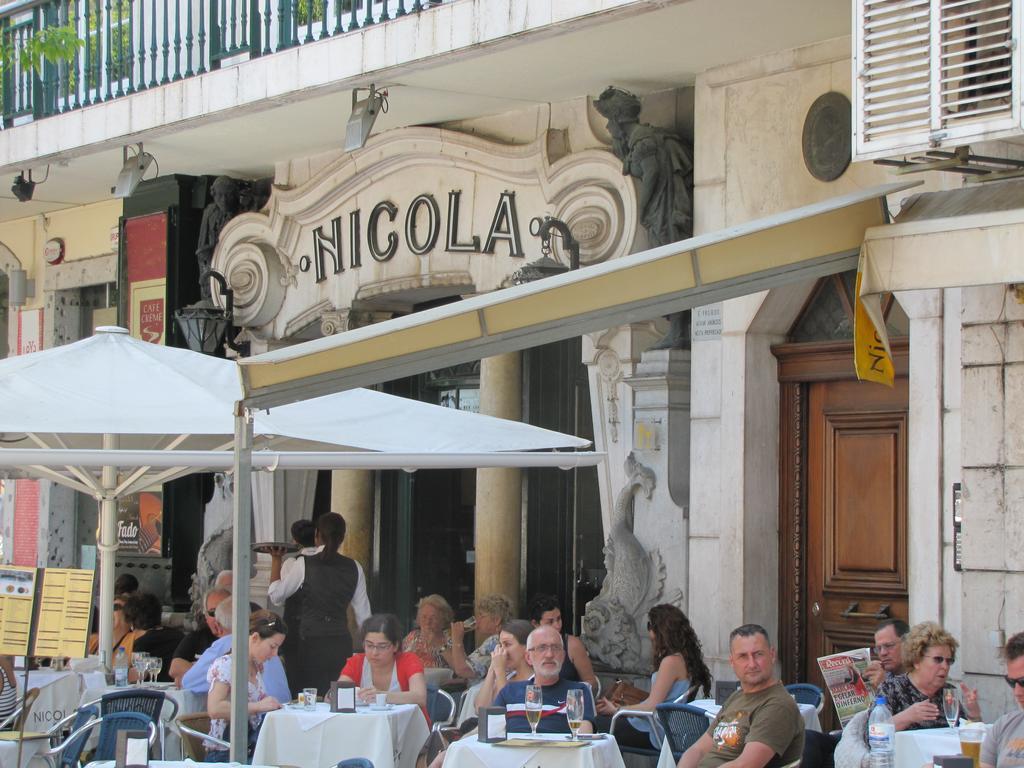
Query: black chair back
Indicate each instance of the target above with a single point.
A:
(683, 724)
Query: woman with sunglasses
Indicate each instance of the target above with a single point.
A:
(915, 697)
(383, 668)
(266, 634)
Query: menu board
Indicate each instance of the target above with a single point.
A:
(17, 590)
(65, 603)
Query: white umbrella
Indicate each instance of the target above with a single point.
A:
(122, 398)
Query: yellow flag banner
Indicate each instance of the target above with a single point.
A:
(871, 357)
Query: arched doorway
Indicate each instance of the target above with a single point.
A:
(842, 484)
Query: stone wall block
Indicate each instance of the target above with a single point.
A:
(1013, 505)
(703, 607)
(705, 476)
(1014, 418)
(1013, 308)
(983, 344)
(983, 416)
(1015, 342)
(985, 541)
(983, 610)
(983, 304)
(706, 400)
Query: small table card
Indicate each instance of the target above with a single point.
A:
(343, 696)
(491, 724)
(132, 750)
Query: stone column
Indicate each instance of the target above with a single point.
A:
(499, 497)
(352, 498)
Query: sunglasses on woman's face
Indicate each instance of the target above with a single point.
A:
(118, 606)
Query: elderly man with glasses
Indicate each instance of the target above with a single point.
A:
(545, 653)
(195, 643)
(888, 651)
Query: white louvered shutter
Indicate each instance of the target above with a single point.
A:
(934, 73)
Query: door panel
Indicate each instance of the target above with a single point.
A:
(856, 561)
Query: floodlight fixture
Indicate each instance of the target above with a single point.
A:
(133, 168)
(364, 114)
(23, 188)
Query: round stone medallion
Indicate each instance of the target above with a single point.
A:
(827, 136)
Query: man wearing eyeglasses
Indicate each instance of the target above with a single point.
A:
(888, 650)
(1004, 744)
(545, 653)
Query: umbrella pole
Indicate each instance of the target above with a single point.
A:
(108, 551)
(241, 559)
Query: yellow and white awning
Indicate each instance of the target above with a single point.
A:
(807, 242)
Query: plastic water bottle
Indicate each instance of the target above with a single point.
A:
(121, 667)
(881, 735)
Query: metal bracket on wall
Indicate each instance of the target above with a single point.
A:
(976, 168)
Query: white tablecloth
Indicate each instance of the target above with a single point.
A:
(59, 694)
(467, 752)
(9, 753)
(810, 714)
(169, 764)
(390, 738)
(916, 748)
(186, 705)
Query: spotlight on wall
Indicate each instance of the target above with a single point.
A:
(23, 188)
(133, 168)
(364, 114)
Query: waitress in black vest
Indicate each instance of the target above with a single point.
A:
(330, 582)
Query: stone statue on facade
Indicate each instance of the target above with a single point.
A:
(635, 582)
(662, 163)
(230, 198)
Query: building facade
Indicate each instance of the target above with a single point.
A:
(749, 477)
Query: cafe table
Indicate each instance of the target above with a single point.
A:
(9, 751)
(467, 752)
(59, 694)
(808, 711)
(390, 737)
(171, 764)
(917, 748)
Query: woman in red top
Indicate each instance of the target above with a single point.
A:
(382, 668)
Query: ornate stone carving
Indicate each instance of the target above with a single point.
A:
(610, 369)
(411, 218)
(347, 319)
(635, 581)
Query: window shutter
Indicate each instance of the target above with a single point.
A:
(934, 73)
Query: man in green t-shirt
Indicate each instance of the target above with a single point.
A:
(760, 725)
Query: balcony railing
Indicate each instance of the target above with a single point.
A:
(132, 45)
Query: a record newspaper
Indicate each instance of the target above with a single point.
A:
(844, 677)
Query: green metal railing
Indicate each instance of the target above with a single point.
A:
(134, 45)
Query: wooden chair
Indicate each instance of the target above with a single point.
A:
(194, 730)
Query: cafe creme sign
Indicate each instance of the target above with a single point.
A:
(417, 214)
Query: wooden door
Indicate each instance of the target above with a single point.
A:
(844, 506)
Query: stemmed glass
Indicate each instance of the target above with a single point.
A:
(534, 705)
(156, 663)
(574, 710)
(141, 663)
(950, 706)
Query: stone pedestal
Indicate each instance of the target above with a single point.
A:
(499, 497)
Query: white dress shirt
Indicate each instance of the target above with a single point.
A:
(293, 574)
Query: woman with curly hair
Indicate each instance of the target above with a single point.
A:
(915, 697)
(679, 668)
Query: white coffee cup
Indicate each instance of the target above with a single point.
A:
(382, 700)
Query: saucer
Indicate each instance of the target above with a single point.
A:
(381, 707)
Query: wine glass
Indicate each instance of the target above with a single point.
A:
(141, 663)
(950, 706)
(534, 705)
(156, 663)
(574, 710)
